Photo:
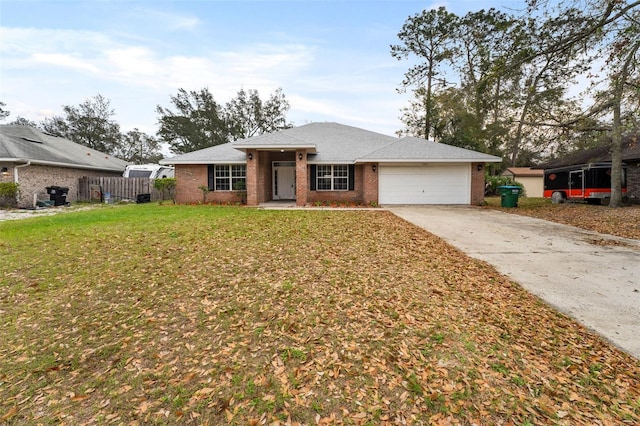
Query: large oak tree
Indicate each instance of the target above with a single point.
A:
(608, 32)
(90, 124)
(199, 121)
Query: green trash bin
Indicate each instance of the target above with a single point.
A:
(509, 195)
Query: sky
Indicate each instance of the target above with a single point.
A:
(330, 57)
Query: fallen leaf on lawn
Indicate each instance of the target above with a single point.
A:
(204, 392)
(123, 389)
(77, 398)
(12, 411)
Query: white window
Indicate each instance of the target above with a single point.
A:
(238, 177)
(229, 177)
(332, 178)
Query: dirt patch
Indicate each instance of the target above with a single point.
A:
(28, 213)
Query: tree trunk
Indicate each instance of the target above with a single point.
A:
(427, 115)
(616, 154)
(619, 82)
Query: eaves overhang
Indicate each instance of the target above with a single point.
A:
(330, 162)
(429, 160)
(311, 148)
(200, 162)
(60, 164)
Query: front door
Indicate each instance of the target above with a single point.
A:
(284, 180)
(576, 184)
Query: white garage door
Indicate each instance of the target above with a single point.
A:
(439, 184)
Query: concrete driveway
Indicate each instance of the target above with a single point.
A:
(594, 278)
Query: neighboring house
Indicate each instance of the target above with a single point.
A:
(630, 157)
(531, 179)
(37, 160)
(323, 162)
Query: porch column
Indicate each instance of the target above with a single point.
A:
(252, 177)
(302, 178)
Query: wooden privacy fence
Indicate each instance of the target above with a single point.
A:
(92, 189)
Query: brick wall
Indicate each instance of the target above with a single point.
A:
(302, 177)
(34, 179)
(477, 184)
(254, 186)
(355, 196)
(189, 177)
(370, 183)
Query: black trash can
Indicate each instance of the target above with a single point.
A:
(143, 198)
(58, 194)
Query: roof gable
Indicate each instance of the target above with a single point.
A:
(25, 143)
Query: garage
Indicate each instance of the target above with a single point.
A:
(424, 184)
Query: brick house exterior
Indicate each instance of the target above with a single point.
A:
(36, 160)
(329, 162)
(34, 180)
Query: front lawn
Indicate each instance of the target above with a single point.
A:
(151, 314)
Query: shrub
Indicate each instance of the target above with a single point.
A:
(205, 191)
(240, 187)
(166, 186)
(493, 182)
(9, 192)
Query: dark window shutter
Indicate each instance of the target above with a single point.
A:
(211, 177)
(312, 178)
(352, 177)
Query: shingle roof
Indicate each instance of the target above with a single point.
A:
(337, 143)
(25, 143)
(276, 140)
(226, 153)
(630, 153)
(410, 149)
(524, 172)
(334, 143)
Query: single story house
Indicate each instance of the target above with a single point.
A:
(37, 160)
(532, 180)
(324, 162)
(602, 154)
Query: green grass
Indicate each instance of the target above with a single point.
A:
(523, 202)
(170, 314)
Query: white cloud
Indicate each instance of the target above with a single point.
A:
(131, 62)
(113, 59)
(23, 41)
(64, 61)
(137, 75)
(172, 21)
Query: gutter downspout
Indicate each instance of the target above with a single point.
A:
(15, 176)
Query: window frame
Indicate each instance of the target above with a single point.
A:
(335, 176)
(223, 177)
